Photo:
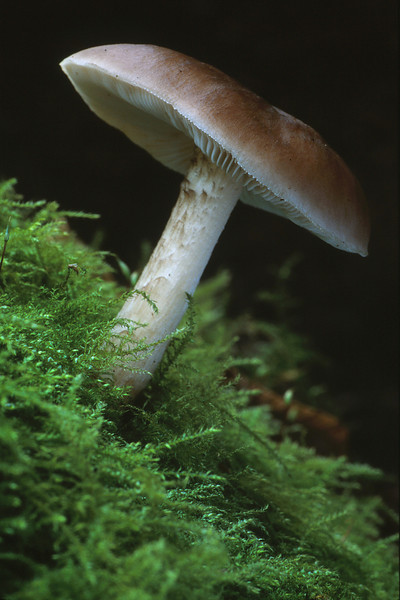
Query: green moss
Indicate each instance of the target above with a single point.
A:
(184, 493)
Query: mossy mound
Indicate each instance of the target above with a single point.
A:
(183, 494)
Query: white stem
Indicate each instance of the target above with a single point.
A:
(207, 197)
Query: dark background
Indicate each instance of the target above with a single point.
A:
(331, 64)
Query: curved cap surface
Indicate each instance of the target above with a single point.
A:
(169, 103)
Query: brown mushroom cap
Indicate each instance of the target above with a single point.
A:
(168, 103)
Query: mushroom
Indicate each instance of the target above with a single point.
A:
(228, 143)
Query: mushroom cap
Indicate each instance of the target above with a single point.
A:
(169, 103)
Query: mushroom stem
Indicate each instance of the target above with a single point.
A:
(207, 197)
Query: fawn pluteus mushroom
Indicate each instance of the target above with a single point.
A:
(228, 143)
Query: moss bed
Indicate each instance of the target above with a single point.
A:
(188, 492)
